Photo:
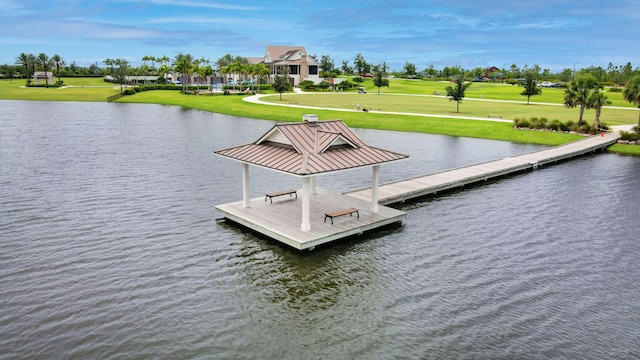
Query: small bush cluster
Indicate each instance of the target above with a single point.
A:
(556, 125)
(630, 135)
(615, 89)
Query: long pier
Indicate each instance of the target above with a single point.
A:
(400, 191)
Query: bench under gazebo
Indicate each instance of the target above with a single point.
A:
(299, 217)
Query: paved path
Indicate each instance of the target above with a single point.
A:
(256, 100)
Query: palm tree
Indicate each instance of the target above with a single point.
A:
(261, 70)
(46, 63)
(163, 70)
(58, 62)
(596, 101)
(578, 92)
(631, 93)
(225, 60)
(28, 61)
(183, 64)
(206, 71)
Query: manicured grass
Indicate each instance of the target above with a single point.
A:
(441, 105)
(76, 89)
(234, 105)
(482, 90)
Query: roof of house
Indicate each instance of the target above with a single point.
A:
(309, 148)
(287, 55)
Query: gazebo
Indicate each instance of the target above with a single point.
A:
(307, 149)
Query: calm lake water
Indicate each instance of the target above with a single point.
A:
(110, 249)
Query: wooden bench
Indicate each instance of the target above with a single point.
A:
(349, 211)
(280, 193)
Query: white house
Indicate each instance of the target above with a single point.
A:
(301, 66)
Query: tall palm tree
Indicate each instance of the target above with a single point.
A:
(578, 92)
(46, 63)
(631, 93)
(146, 68)
(183, 64)
(206, 71)
(225, 60)
(596, 101)
(261, 71)
(28, 61)
(58, 62)
(163, 70)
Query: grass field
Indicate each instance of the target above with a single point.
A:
(76, 89)
(442, 106)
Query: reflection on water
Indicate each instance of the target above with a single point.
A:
(110, 248)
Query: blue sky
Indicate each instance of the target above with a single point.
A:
(554, 34)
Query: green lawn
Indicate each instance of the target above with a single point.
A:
(76, 89)
(482, 90)
(442, 106)
(234, 105)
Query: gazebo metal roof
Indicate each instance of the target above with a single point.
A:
(310, 148)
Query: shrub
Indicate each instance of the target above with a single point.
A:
(555, 125)
(629, 136)
(306, 84)
(615, 89)
(129, 91)
(521, 123)
(324, 85)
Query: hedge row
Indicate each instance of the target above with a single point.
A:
(557, 125)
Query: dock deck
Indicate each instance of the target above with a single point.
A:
(400, 191)
(281, 219)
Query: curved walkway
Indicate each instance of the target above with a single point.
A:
(256, 100)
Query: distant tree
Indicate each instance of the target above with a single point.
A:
(225, 60)
(58, 62)
(515, 71)
(120, 72)
(8, 71)
(379, 77)
(326, 64)
(183, 64)
(360, 64)
(261, 71)
(46, 63)
(163, 70)
(409, 69)
(578, 91)
(631, 93)
(456, 93)
(530, 86)
(596, 101)
(281, 84)
(346, 69)
(29, 63)
(431, 70)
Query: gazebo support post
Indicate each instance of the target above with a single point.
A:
(306, 204)
(245, 185)
(314, 189)
(374, 188)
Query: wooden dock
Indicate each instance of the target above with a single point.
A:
(400, 191)
(281, 219)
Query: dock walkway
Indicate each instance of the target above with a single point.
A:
(400, 191)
